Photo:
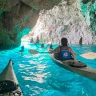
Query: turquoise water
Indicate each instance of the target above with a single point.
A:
(38, 75)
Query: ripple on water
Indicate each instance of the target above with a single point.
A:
(38, 75)
(52, 93)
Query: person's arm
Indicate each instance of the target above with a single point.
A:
(71, 51)
(57, 50)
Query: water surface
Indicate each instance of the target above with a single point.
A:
(38, 75)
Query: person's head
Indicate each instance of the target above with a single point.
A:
(64, 41)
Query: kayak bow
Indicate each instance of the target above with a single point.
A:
(9, 85)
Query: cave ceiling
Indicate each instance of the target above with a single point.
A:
(6, 5)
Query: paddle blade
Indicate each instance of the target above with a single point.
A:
(89, 55)
(31, 51)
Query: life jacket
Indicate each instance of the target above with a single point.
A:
(64, 53)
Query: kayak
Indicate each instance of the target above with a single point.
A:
(9, 85)
(76, 67)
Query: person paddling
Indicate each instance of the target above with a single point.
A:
(22, 49)
(42, 45)
(51, 47)
(64, 51)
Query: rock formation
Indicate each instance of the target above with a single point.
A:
(50, 20)
(64, 20)
(16, 16)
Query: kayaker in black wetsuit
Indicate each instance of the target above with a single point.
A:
(22, 50)
(42, 46)
(64, 51)
(51, 47)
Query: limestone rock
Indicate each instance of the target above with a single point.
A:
(13, 22)
(18, 15)
(54, 19)
(64, 21)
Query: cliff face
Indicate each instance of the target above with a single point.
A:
(14, 21)
(18, 16)
(65, 20)
(49, 19)
(89, 12)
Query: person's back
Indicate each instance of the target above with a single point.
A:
(64, 51)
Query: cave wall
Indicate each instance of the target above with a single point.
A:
(54, 19)
(21, 16)
(66, 20)
(18, 15)
(88, 8)
(89, 12)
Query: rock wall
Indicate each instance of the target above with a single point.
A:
(64, 20)
(14, 21)
(89, 11)
(54, 19)
(16, 16)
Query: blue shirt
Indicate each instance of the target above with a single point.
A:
(64, 54)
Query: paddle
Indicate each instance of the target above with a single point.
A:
(42, 45)
(36, 44)
(89, 55)
(31, 51)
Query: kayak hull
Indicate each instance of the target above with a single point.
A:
(73, 66)
(9, 85)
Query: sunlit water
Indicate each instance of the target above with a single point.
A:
(38, 75)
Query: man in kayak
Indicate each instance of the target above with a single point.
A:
(51, 47)
(22, 50)
(64, 51)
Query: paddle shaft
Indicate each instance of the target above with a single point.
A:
(36, 45)
(86, 55)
